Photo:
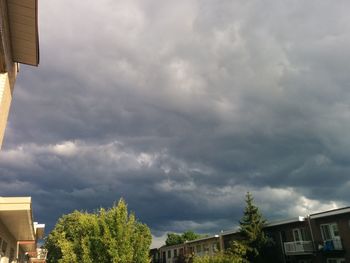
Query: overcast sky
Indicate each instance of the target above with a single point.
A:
(181, 107)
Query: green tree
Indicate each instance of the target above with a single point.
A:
(109, 236)
(175, 239)
(218, 258)
(251, 229)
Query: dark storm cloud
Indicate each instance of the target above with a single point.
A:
(181, 107)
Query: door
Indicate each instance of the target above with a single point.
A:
(330, 232)
(299, 237)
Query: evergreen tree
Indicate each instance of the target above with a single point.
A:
(251, 229)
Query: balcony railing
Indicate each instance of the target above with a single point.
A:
(38, 256)
(332, 244)
(298, 247)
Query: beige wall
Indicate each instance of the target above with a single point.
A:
(7, 78)
(5, 102)
(11, 244)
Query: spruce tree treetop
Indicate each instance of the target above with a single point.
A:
(251, 229)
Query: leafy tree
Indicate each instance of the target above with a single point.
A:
(109, 236)
(175, 239)
(218, 258)
(251, 229)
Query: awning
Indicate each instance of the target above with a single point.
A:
(16, 215)
(23, 24)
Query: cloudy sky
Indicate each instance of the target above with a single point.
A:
(181, 107)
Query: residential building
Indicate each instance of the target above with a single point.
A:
(19, 235)
(208, 245)
(19, 43)
(203, 246)
(316, 238)
(172, 254)
(154, 255)
(321, 237)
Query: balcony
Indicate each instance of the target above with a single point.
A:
(298, 248)
(39, 256)
(332, 245)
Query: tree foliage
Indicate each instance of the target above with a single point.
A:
(218, 258)
(175, 239)
(109, 236)
(251, 229)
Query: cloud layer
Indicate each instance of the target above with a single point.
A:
(181, 107)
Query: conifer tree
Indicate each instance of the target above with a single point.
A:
(251, 229)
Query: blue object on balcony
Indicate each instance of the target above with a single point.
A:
(328, 245)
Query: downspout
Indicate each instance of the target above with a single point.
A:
(312, 235)
(282, 246)
(17, 253)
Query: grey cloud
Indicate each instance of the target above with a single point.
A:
(181, 107)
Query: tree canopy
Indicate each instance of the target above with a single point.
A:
(110, 236)
(175, 239)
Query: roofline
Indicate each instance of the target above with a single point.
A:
(229, 232)
(286, 221)
(173, 246)
(202, 239)
(337, 211)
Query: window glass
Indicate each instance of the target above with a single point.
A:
(296, 235)
(198, 248)
(326, 233)
(175, 252)
(329, 231)
(303, 234)
(4, 246)
(12, 255)
(335, 230)
(169, 253)
(215, 247)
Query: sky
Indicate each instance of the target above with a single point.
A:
(181, 107)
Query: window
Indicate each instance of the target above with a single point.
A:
(206, 248)
(169, 253)
(329, 231)
(198, 248)
(335, 260)
(215, 247)
(175, 253)
(300, 234)
(4, 246)
(12, 255)
(181, 252)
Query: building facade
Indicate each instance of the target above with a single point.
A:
(206, 246)
(316, 238)
(19, 235)
(19, 43)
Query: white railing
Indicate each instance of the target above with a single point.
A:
(40, 254)
(298, 247)
(332, 244)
